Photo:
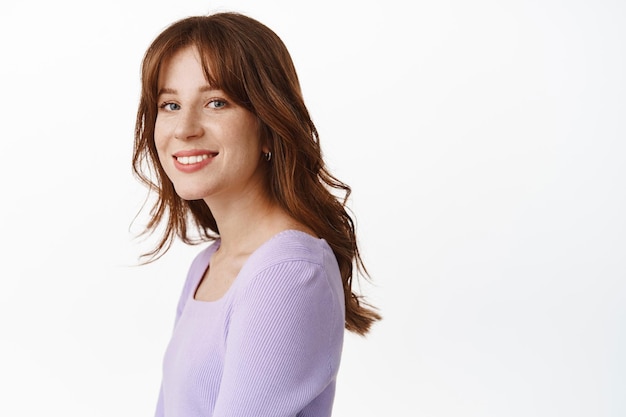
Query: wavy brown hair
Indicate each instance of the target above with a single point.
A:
(250, 63)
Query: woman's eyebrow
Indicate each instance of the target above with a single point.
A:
(166, 91)
(204, 89)
(207, 89)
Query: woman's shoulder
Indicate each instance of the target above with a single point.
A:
(202, 258)
(292, 260)
(290, 246)
(198, 266)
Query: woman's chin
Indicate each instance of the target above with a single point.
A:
(189, 195)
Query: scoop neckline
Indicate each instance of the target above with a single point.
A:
(217, 244)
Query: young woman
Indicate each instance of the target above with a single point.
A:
(224, 137)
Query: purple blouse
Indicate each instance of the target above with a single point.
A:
(271, 346)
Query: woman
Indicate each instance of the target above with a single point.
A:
(224, 137)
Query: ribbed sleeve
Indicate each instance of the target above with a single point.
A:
(281, 349)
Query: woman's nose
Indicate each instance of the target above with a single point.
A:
(189, 125)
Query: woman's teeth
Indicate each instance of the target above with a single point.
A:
(188, 160)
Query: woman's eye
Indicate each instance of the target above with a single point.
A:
(217, 104)
(170, 106)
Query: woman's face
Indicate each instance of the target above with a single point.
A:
(209, 147)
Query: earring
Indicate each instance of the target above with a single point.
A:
(268, 156)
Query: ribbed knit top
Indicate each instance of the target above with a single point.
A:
(271, 346)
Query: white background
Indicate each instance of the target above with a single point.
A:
(485, 144)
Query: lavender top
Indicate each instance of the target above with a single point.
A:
(271, 346)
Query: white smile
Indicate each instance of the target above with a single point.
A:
(189, 160)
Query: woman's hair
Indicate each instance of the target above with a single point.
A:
(250, 63)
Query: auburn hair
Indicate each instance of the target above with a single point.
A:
(251, 64)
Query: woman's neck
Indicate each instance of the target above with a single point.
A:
(247, 222)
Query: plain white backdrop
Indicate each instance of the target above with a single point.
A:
(485, 142)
